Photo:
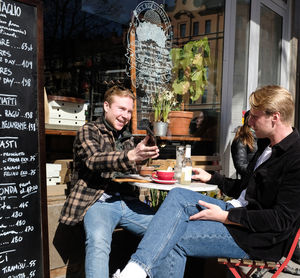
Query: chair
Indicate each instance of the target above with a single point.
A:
(235, 265)
(207, 162)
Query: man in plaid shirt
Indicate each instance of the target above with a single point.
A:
(103, 150)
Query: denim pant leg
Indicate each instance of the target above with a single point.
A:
(201, 239)
(172, 266)
(99, 224)
(136, 216)
(167, 228)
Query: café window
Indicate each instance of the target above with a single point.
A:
(88, 47)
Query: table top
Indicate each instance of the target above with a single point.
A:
(195, 186)
(176, 137)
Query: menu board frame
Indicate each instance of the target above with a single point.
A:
(38, 96)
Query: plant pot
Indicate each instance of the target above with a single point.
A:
(179, 122)
(146, 170)
(160, 128)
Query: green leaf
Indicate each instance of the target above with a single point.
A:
(175, 55)
(205, 74)
(178, 87)
(196, 75)
(198, 60)
(181, 88)
(188, 47)
(198, 93)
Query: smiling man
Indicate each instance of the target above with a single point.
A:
(103, 150)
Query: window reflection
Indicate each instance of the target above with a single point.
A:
(182, 30)
(207, 26)
(196, 28)
(240, 75)
(270, 47)
(86, 45)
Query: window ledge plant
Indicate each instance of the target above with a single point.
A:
(190, 66)
(162, 102)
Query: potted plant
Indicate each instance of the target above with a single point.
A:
(190, 65)
(162, 102)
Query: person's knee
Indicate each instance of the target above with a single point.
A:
(180, 193)
(99, 239)
(177, 195)
(177, 191)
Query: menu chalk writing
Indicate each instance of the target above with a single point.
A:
(20, 202)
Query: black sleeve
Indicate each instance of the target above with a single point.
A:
(239, 156)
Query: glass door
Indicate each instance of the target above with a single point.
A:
(256, 53)
(268, 46)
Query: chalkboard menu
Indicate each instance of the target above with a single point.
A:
(21, 237)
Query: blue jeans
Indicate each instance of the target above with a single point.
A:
(99, 223)
(171, 237)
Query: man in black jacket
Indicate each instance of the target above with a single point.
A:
(260, 223)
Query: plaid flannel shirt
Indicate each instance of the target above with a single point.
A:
(96, 162)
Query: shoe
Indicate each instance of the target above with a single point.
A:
(117, 274)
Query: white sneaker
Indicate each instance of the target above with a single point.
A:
(117, 274)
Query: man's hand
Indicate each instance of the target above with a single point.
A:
(212, 212)
(201, 175)
(142, 151)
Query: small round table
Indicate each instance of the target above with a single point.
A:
(195, 186)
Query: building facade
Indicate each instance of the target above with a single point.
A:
(252, 43)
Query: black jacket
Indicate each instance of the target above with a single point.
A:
(272, 217)
(241, 156)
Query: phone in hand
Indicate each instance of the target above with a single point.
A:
(152, 138)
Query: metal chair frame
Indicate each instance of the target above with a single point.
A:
(235, 265)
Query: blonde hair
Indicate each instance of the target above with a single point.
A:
(273, 98)
(117, 90)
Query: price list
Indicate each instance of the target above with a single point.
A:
(20, 213)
